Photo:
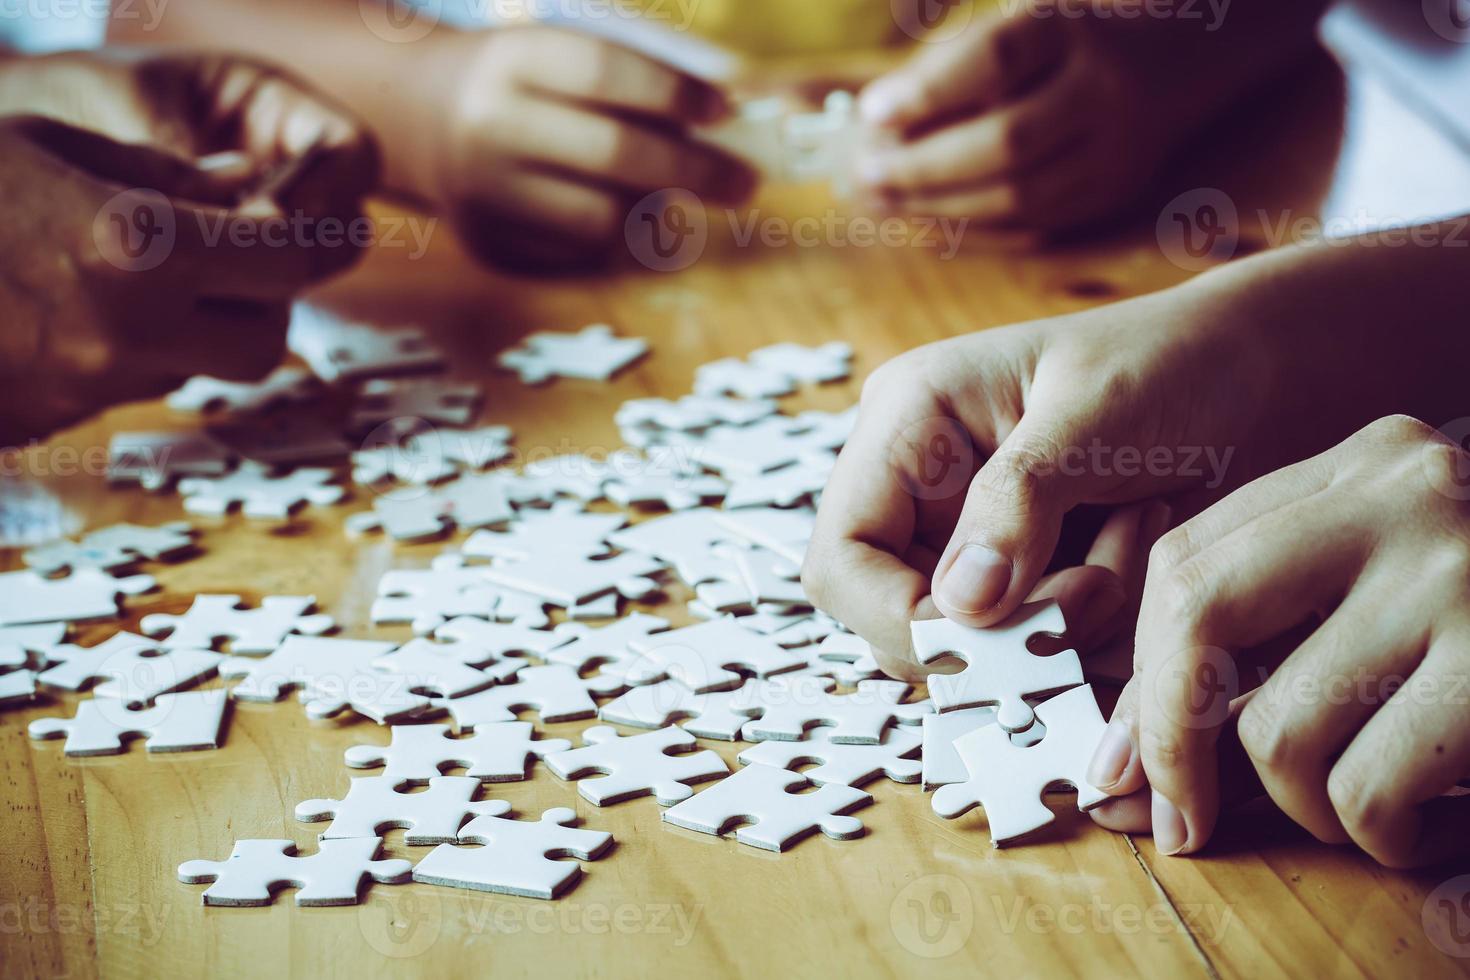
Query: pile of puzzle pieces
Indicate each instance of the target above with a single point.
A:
(715, 496)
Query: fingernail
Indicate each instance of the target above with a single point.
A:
(1170, 834)
(883, 101)
(1113, 754)
(977, 580)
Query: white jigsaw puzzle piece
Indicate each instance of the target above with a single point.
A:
(842, 762)
(429, 597)
(774, 818)
(259, 493)
(131, 668)
(331, 675)
(638, 765)
(999, 669)
(495, 753)
(185, 722)
(215, 618)
(811, 365)
(338, 350)
(593, 354)
(942, 764)
(703, 656)
(153, 460)
(610, 648)
(1008, 780)
(27, 598)
(415, 401)
(553, 690)
(795, 704)
(517, 857)
(205, 395)
(718, 715)
(373, 805)
(256, 869)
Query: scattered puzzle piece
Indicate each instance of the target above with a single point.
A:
(257, 868)
(427, 598)
(211, 396)
(761, 797)
(842, 762)
(185, 722)
(27, 598)
(111, 549)
(518, 857)
(732, 376)
(999, 669)
(131, 668)
(610, 648)
(639, 765)
(1008, 779)
(374, 805)
(942, 764)
(18, 643)
(332, 675)
(215, 618)
(154, 460)
(718, 715)
(495, 753)
(259, 493)
(431, 400)
(793, 705)
(423, 668)
(283, 441)
(811, 365)
(337, 350)
(553, 690)
(593, 354)
(702, 657)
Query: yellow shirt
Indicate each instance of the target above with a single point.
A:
(791, 26)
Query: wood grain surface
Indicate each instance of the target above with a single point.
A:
(87, 881)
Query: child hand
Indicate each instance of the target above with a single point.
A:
(1362, 728)
(556, 134)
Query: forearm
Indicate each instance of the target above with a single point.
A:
(1362, 327)
(398, 88)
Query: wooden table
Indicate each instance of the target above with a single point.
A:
(88, 883)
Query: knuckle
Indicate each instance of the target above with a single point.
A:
(1362, 808)
(898, 374)
(1398, 430)
(1264, 737)
(1186, 595)
(1161, 750)
(1171, 551)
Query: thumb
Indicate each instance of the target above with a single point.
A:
(1010, 523)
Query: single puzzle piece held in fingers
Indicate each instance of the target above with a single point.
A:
(638, 765)
(495, 753)
(374, 805)
(256, 869)
(844, 763)
(213, 618)
(999, 668)
(517, 857)
(761, 798)
(1008, 780)
(185, 722)
(593, 354)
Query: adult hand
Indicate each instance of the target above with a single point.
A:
(1361, 727)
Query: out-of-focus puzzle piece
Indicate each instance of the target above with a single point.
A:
(811, 365)
(285, 440)
(154, 460)
(517, 857)
(495, 753)
(1008, 779)
(999, 669)
(27, 598)
(429, 597)
(184, 722)
(432, 400)
(211, 396)
(215, 618)
(256, 869)
(593, 354)
(638, 765)
(337, 350)
(332, 676)
(111, 549)
(702, 656)
(259, 493)
(761, 798)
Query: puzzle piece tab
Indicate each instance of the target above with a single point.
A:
(256, 869)
(517, 857)
(639, 765)
(761, 798)
(185, 722)
(593, 354)
(495, 753)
